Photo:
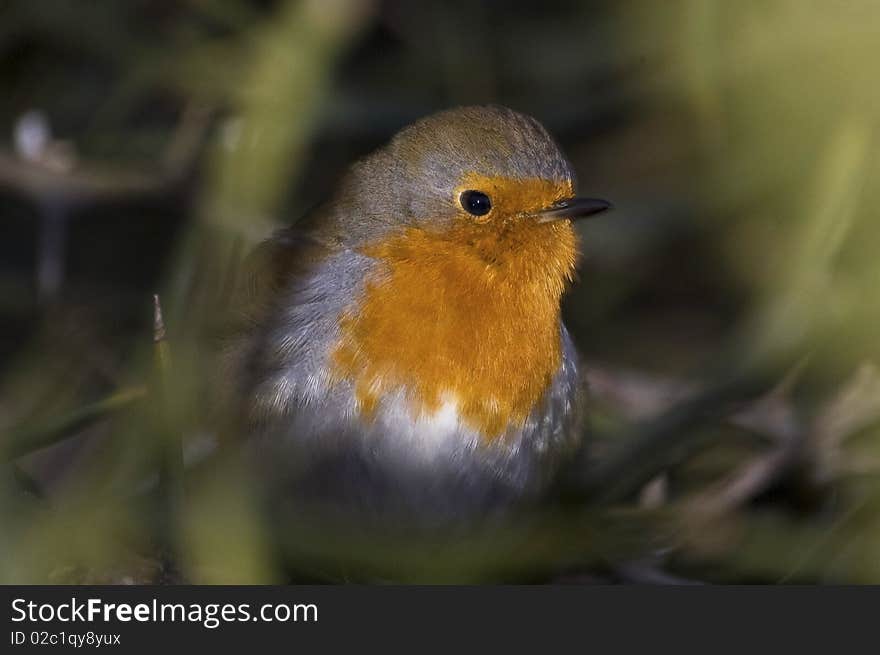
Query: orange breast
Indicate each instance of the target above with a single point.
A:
(468, 315)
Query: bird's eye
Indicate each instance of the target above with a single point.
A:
(475, 202)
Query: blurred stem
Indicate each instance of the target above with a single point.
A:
(699, 67)
(525, 547)
(171, 472)
(293, 59)
(173, 447)
(275, 110)
(26, 439)
(807, 299)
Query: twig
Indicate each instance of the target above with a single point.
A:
(640, 396)
(93, 182)
(660, 442)
(89, 184)
(749, 481)
(856, 407)
(56, 191)
(663, 439)
(759, 474)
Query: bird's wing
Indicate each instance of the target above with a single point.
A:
(258, 292)
(290, 253)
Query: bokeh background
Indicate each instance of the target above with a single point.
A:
(727, 310)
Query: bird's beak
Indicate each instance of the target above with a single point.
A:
(573, 208)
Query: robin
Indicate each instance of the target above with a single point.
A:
(402, 348)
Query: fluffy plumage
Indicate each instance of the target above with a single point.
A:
(399, 353)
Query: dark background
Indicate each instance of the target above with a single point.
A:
(734, 285)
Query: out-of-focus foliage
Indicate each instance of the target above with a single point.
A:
(726, 310)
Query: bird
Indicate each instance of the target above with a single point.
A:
(399, 351)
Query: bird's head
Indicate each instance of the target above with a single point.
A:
(489, 182)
